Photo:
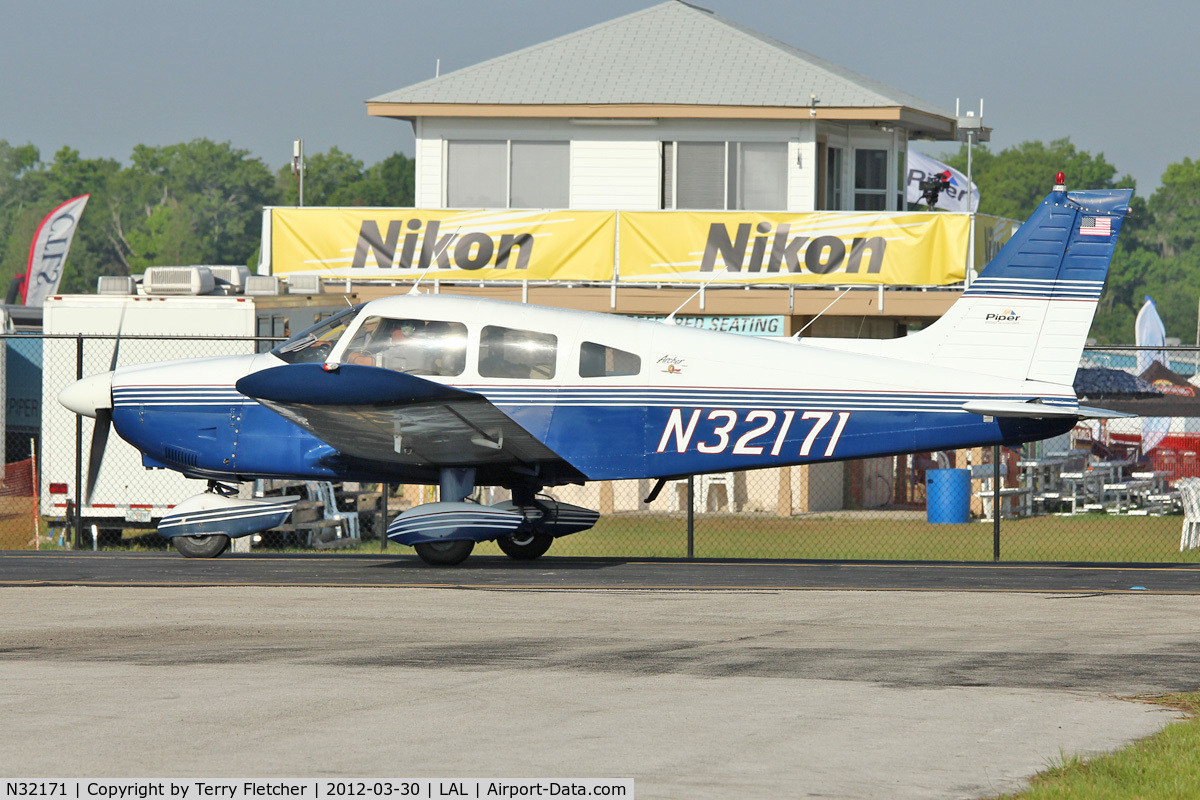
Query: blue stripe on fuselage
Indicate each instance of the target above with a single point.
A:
(607, 433)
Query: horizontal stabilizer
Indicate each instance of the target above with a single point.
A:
(1033, 409)
(1088, 412)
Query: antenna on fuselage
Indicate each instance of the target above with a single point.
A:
(670, 318)
(434, 260)
(796, 335)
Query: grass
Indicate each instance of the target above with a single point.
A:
(1166, 765)
(1087, 537)
(863, 535)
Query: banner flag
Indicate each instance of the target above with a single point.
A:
(451, 244)
(48, 252)
(954, 198)
(1148, 331)
(823, 247)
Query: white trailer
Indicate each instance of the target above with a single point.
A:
(126, 494)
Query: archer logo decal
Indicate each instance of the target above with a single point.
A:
(672, 365)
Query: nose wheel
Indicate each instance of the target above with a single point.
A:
(444, 554)
(209, 546)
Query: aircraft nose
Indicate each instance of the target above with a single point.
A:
(88, 395)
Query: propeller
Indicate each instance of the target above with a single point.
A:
(103, 425)
(96, 454)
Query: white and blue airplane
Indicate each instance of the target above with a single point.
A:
(461, 392)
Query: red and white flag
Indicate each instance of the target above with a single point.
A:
(1095, 226)
(48, 253)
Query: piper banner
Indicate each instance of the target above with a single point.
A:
(447, 244)
(895, 248)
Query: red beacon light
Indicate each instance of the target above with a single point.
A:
(1060, 182)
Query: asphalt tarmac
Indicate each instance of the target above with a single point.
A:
(398, 567)
(696, 679)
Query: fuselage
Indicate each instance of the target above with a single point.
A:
(615, 398)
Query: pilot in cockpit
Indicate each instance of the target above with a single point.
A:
(389, 343)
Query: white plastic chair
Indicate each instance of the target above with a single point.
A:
(716, 479)
(704, 484)
(673, 487)
(323, 492)
(1189, 495)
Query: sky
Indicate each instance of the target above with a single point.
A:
(1117, 78)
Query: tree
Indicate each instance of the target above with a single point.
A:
(41, 188)
(194, 203)
(337, 179)
(1175, 209)
(1013, 182)
(197, 202)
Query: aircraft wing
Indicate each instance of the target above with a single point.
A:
(382, 415)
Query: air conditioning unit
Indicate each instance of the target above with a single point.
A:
(305, 284)
(260, 285)
(161, 281)
(234, 277)
(116, 284)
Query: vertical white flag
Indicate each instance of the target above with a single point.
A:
(953, 198)
(48, 253)
(1148, 331)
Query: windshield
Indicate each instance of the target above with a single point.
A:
(314, 344)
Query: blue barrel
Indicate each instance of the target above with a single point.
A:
(948, 496)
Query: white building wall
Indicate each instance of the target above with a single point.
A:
(616, 174)
(616, 165)
(802, 171)
(429, 174)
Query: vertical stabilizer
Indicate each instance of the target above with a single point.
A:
(1027, 315)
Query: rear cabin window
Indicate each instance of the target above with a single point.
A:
(600, 361)
(511, 353)
(416, 346)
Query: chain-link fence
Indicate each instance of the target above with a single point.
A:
(1111, 490)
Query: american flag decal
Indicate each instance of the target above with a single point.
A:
(1095, 226)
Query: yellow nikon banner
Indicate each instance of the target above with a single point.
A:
(991, 233)
(895, 248)
(449, 244)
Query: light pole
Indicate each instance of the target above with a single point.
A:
(971, 129)
(298, 166)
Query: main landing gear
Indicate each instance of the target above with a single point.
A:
(445, 533)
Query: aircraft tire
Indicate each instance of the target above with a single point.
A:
(444, 554)
(525, 546)
(209, 546)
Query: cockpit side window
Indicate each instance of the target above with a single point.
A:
(511, 353)
(601, 361)
(416, 346)
(313, 344)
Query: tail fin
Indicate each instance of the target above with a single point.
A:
(1027, 315)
